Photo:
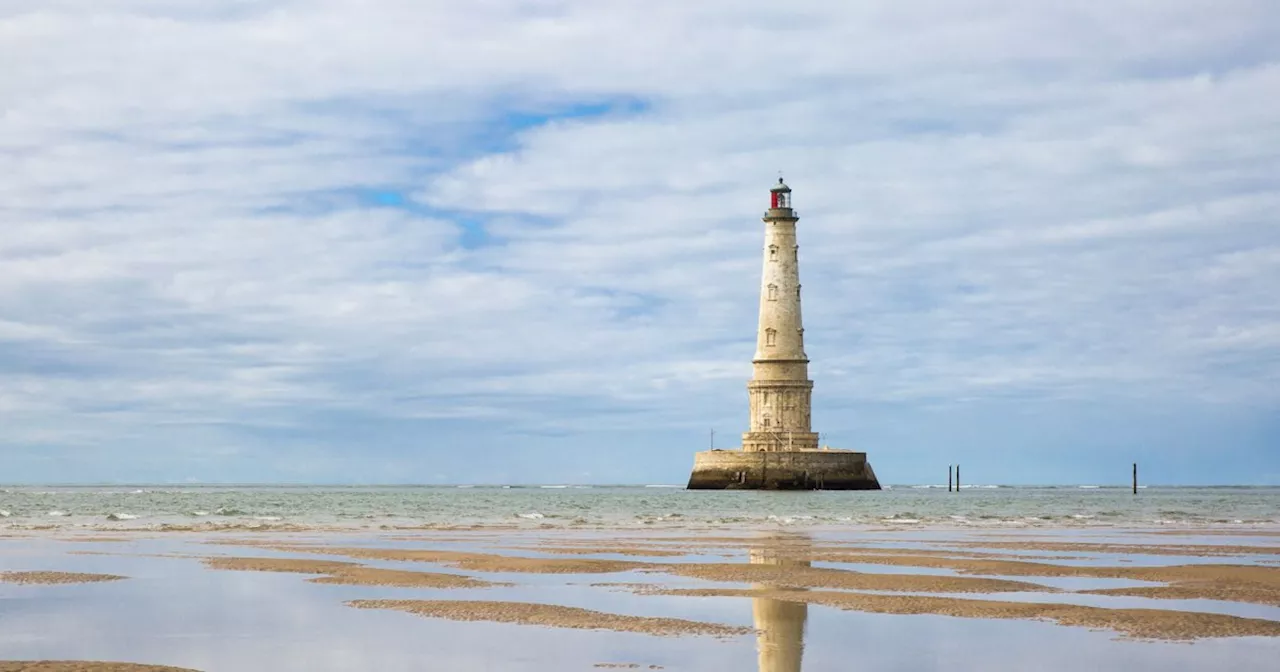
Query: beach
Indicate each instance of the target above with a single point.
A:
(529, 595)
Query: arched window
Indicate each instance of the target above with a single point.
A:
(770, 337)
(773, 292)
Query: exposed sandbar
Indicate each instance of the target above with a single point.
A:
(820, 577)
(1135, 623)
(349, 573)
(53, 578)
(1237, 583)
(374, 576)
(640, 551)
(81, 666)
(291, 565)
(549, 615)
(479, 562)
(1188, 550)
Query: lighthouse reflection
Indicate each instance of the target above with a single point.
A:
(780, 624)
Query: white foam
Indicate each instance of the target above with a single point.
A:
(267, 518)
(4, 514)
(199, 513)
(531, 516)
(553, 487)
(1088, 487)
(121, 516)
(57, 513)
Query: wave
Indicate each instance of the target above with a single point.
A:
(57, 513)
(4, 514)
(532, 515)
(199, 513)
(664, 486)
(121, 516)
(1088, 487)
(553, 487)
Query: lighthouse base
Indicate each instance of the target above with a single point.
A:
(782, 470)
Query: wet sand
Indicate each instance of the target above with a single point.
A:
(1136, 623)
(81, 666)
(55, 578)
(479, 562)
(349, 573)
(551, 615)
(818, 577)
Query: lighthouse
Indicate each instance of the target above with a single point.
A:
(779, 449)
(780, 391)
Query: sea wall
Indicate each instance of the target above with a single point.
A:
(782, 470)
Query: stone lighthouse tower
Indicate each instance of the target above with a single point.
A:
(780, 389)
(780, 450)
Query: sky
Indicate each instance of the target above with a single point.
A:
(410, 241)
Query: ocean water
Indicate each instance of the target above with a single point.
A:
(372, 507)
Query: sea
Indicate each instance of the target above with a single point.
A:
(162, 507)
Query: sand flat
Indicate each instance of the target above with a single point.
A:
(348, 573)
(550, 615)
(821, 577)
(1186, 550)
(1153, 624)
(290, 565)
(1237, 583)
(82, 666)
(55, 578)
(480, 562)
(374, 576)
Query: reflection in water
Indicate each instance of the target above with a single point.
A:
(780, 624)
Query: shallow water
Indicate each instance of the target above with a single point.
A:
(632, 507)
(175, 611)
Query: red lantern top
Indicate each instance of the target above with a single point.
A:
(780, 195)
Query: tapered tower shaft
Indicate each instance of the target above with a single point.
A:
(780, 390)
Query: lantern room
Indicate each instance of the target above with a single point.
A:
(780, 195)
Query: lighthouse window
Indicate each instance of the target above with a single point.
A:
(770, 337)
(797, 291)
(773, 253)
(773, 292)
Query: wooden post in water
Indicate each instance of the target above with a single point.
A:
(949, 467)
(957, 478)
(1135, 478)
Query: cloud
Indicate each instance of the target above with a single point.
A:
(543, 216)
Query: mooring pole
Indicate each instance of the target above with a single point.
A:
(949, 468)
(1135, 478)
(957, 478)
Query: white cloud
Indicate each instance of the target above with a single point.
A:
(996, 199)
